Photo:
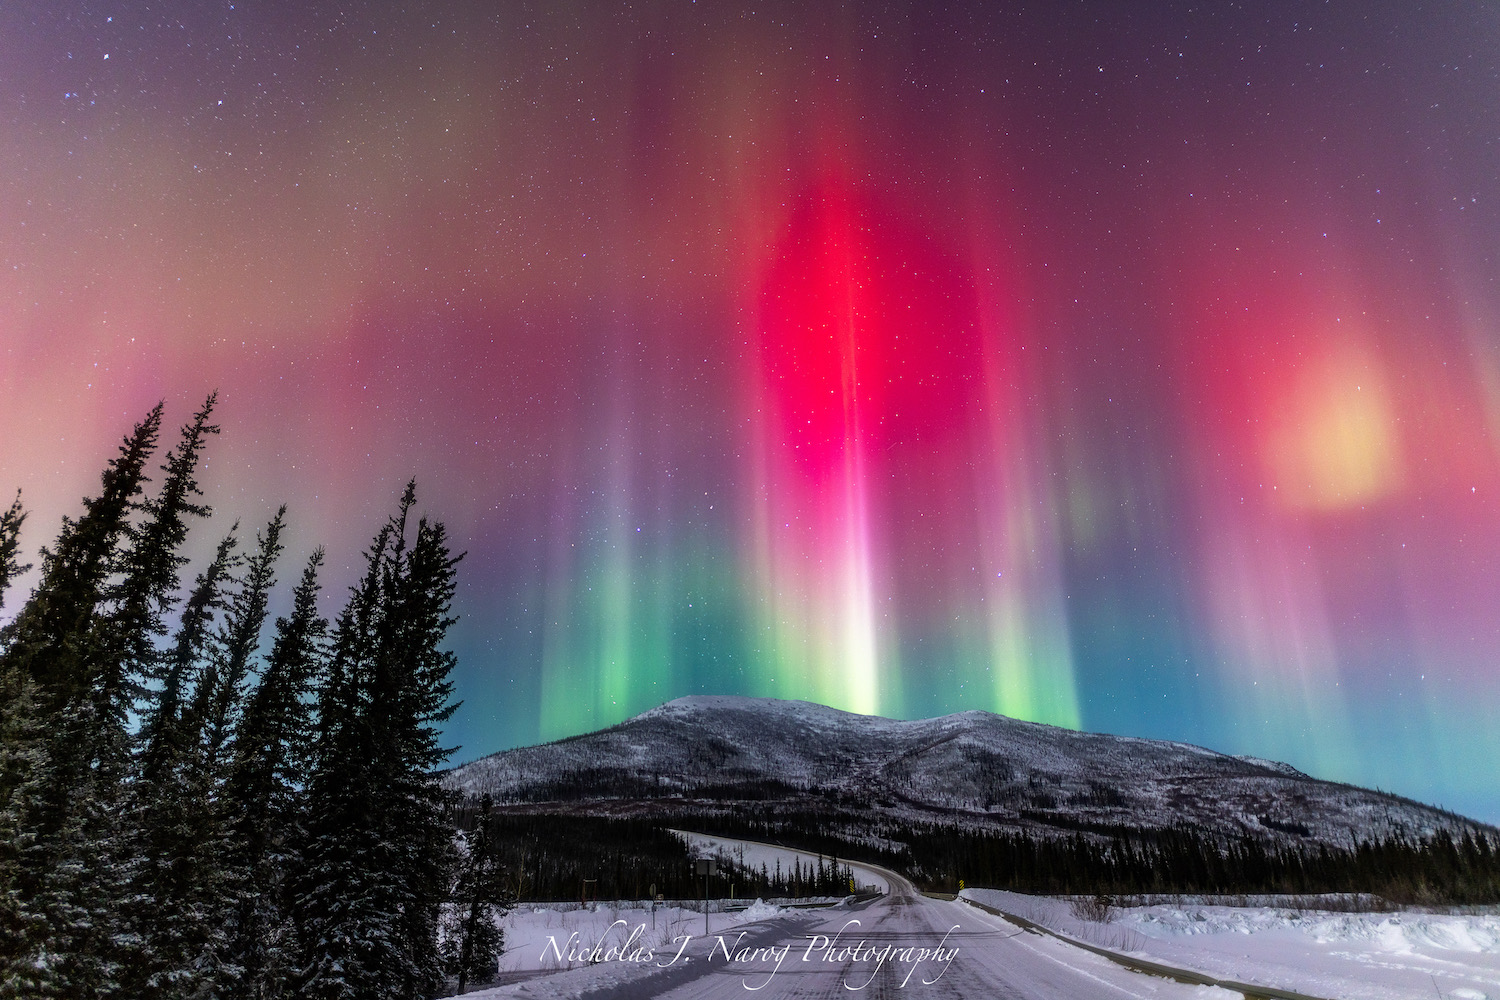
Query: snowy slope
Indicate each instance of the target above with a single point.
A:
(973, 769)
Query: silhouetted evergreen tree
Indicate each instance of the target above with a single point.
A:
(244, 618)
(167, 737)
(172, 811)
(10, 545)
(47, 639)
(473, 940)
(146, 589)
(186, 887)
(18, 743)
(65, 760)
(378, 848)
(163, 916)
(264, 793)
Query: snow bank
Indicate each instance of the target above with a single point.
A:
(1057, 914)
(561, 954)
(1401, 933)
(755, 855)
(540, 937)
(759, 910)
(1379, 956)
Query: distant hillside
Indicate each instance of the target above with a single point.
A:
(973, 770)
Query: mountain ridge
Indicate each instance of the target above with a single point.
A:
(971, 770)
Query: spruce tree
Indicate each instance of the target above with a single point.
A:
(147, 588)
(163, 831)
(161, 923)
(472, 939)
(174, 824)
(378, 847)
(164, 737)
(47, 639)
(188, 935)
(223, 687)
(264, 794)
(410, 698)
(17, 756)
(10, 545)
(63, 761)
(343, 925)
(84, 647)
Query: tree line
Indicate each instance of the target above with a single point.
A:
(550, 857)
(196, 802)
(1419, 870)
(1439, 869)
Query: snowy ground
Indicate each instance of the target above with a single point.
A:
(541, 936)
(753, 854)
(1379, 956)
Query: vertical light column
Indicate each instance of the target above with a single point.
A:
(814, 533)
(617, 670)
(1030, 651)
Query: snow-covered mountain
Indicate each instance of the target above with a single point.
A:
(973, 769)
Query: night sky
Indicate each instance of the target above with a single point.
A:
(1131, 367)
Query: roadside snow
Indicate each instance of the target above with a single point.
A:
(769, 855)
(561, 953)
(1380, 956)
(538, 936)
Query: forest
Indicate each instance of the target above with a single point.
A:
(1435, 870)
(550, 855)
(184, 813)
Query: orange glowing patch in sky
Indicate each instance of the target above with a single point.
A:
(1330, 436)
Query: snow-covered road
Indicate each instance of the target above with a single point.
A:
(900, 944)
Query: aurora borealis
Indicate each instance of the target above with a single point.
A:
(1130, 367)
